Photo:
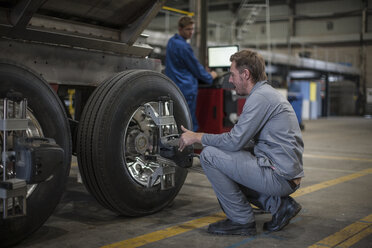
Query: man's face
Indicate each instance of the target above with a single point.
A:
(239, 80)
(187, 31)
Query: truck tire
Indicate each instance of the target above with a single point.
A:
(104, 130)
(48, 120)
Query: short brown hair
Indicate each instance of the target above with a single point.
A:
(185, 21)
(251, 60)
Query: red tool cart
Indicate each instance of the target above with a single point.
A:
(218, 107)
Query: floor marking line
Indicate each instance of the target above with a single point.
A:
(168, 232)
(201, 222)
(356, 238)
(328, 169)
(347, 236)
(306, 155)
(326, 184)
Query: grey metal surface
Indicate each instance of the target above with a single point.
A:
(115, 13)
(308, 63)
(13, 124)
(109, 26)
(22, 13)
(63, 65)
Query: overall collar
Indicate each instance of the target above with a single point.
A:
(257, 85)
(178, 36)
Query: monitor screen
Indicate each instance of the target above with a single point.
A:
(220, 56)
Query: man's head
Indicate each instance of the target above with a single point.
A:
(186, 27)
(247, 68)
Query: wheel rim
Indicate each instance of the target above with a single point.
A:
(141, 138)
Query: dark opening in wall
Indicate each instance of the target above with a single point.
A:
(329, 25)
(263, 30)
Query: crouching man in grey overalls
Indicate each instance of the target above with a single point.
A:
(266, 174)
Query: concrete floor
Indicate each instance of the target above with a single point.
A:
(333, 194)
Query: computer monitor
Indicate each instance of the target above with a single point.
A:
(219, 56)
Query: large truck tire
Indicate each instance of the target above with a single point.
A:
(47, 118)
(110, 121)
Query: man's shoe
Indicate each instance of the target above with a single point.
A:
(288, 209)
(229, 227)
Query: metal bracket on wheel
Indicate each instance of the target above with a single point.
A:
(13, 190)
(166, 175)
(164, 119)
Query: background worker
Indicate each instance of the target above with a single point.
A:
(265, 176)
(182, 66)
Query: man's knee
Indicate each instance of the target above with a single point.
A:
(207, 155)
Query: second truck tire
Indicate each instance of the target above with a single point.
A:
(110, 118)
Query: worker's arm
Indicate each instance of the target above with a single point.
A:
(193, 65)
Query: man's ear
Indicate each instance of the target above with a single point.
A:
(247, 74)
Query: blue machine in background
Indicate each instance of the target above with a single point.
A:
(295, 99)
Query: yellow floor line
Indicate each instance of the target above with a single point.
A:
(315, 187)
(168, 232)
(306, 155)
(201, 222)
(347, 236)
(356, 238)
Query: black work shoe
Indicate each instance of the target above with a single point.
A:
(288, 209)
(229, 227)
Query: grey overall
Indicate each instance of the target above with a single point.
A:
(239, 175)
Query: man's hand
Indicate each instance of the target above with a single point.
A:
(188, 138)
(214, 74)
